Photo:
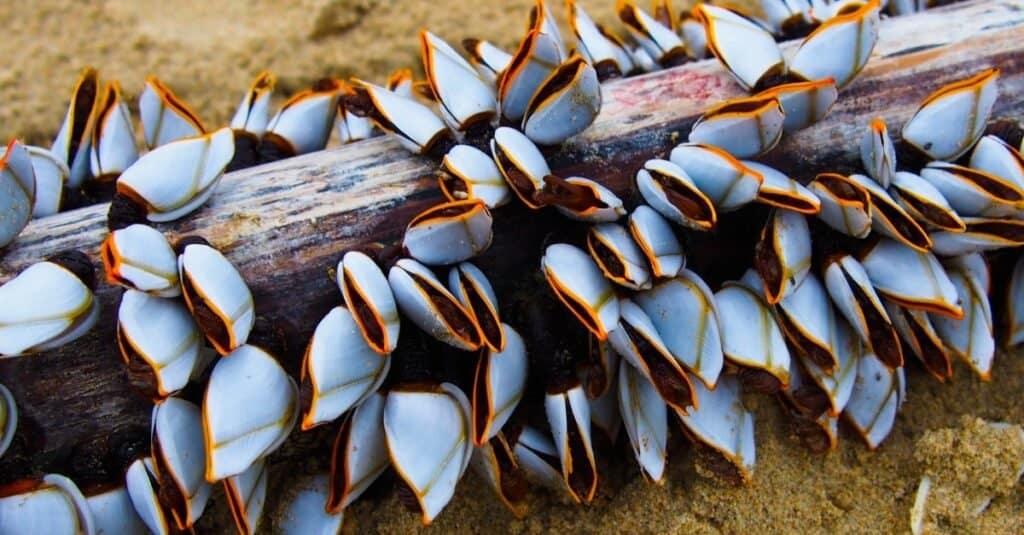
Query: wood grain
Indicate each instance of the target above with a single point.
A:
(285, 225)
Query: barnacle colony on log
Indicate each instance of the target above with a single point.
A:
(851, 275)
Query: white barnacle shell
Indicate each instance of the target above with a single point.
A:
(809, 322)
(142, 486)
(428, 438)
(952, 118)
(470, 173)
(253, 110)
(449, 232)
(724, 179)
(73, 141)
(473, 290)
(17, 191)
(52, 505)
(783, 255)
(841, 46)
(416, 126)
(369, 299)
(536, 58)
(249, 408)
(113, 137)
(604, 409)
(745, 48)
(165, 117)
(8, 418)
(520, 162)
(52, 175)
(781, 14)
(723, 424)
(577, 281)
(670, 191)
(970, 338)
(583, 199)
(217, 296)
(660, 42)
(489, 60)
(744, 127)
(853, 294)
(425, 301)
(878, 393)
(845, 204)
(878, 154)
(618, 256)
(890, 219)
(604, 52)
(246, 494)
(159, 342)
(971, 192)
(536, 456)
(360, 453)
(45, 306)
(694, 35)
(303, 124)
(657, 241)
(178, 177)
(544, 22)
(911, 278)
(919, 337)
(636, 339)
(645, 417)
(465, 99)
(302, 509)
(114, 514)
(339, 369)
(685, 315)
(804, 103)
(996, 157)
(779, 190)
(750, 336)
(837, 382)
(498, 385)
(565, 104)
(924, 202)
(140, 258)
(495, 463)
(179, 459)
(569, 417)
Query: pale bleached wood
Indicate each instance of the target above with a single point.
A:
(284, 225)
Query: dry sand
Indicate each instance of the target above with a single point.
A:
(208, 51)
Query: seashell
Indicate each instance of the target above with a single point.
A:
(465, 99)
(113, 513)
(601, 49)
(645, 417)
(840, 47)
(428, 437)
(536, 58)
(489, 60)
(657, 241)
(853, 294)
(217, 296)
(179, 460)
(246, 494)
(684, 314)
(368, 297)
(724, 180)
(661, 42)
(471, 287)
(974, 193)
(782, 257)
(158, 341)
(565, 104)
(918, 336)
(845, 204)
(172, 181)
(449, 232)
(996, 157)
(569, 417)
(724, 427)
(670, 190)
(470, 173)
(17, 191)
(745, 48)
(339, 369)
(924, 202)
(952, 119)
(302, 508)
(414, 125)
(47, 305)
(837, 382)
(779, 190)
(521, 163)
(911, 278)
(253, 112)
(744, 127)
(803, 103)
(578, 283)
(113, 138)
(618, 256)
(52, 175)
(970, 338)
(878, 154)
(425, 301)
(498, 385)
(165, 117)
(581, 199)
(249, 408)
(360, 453)
(138, 257)
(751, 339)
(303, 124)
(806, 317)
(51, 504)
(8, 418)
(889, 219)
(878, 394)
(73, 143)
(495, 463)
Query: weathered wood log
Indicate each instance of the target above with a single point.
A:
(285, 225)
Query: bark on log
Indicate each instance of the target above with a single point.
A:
(285, 225)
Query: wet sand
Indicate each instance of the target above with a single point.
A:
(209, 51)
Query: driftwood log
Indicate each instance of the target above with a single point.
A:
(284, 225)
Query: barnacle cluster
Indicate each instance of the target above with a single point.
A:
(851, 274)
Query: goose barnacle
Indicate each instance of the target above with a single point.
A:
(498, 385)
(618, 256)
(953, 118)
(667, 188)
(645, 417)
(159, 343)
(216, 294)
(427, 303)
(51, 504)
(359, 454)
(246, 495)
(74, 140)
(140, 258)
(472, 288)
(113, 138)
(17, 191)
(165, 117)
(578, 283)
(744, 127)
(369, 299)
(449, 232)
